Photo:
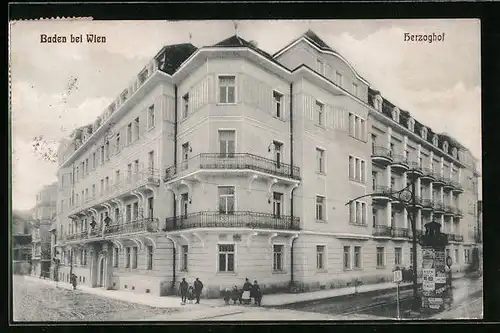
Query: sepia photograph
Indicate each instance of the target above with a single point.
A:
(245, 170)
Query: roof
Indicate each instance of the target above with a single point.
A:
(174, 55)
(236, 41)
(309, 34)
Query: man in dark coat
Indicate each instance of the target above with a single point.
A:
(198, 287)
(255, 293)
(73, 281)
(184, 290)
(247, 287)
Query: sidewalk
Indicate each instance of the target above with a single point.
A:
(127, 296)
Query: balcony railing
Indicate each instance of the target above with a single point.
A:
(400, 159)
(427, 203)
(382, 230)
(75, 236)
(415, 167)
(239, 219)
(438, 206)
(427, 173)
(146, 225)
(449, 209)
(381, 191)
(400, 232)
(380, 151)
(455, 238)
(232, 161)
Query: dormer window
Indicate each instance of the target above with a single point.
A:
(143, 76)
(124, 95)
(423, 133)
(411, 124)
(435, 140)
(377, 103)
(112, 108)
(445, 146)
(395, 114)
(454, 152)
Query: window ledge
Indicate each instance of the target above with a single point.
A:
(347, 269)
(226, 273)
(279, 272)
(358, 182)
(321, 271)
(359, 224)
(222, 103)
(381, 267)
(357, 269)
(321, 221)
(150, 128)
(321, 173)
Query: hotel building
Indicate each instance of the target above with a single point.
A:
(226, 162)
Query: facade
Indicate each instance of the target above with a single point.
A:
(226, 162)
(21, 243)
(43, 216)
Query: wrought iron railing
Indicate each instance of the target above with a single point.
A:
(455, 238)
(382, 230)
(147, 224)
(415, 166)
(427, 203)
(232, 161)
(380, 151)
(237, 219)
(381, 190)
(428, 172)
(400, 159)
(457, 211)
(78, 235)
(448, 182)
(438, 206)
(400, 232)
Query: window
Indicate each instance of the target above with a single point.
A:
(134, 257)
(393, 218)
(106, 182)
(278, 251)
(448, 253)
(227, 86)
(357, 257)
(393, 183)
(107, 150)
(184, 204)
(136, 128)
(115, 257)
(227, 143)
(226, 199)
(129, 133)
(338, 79)
(226, 257)
(128, 213)
(277, 204)
(357, 212)
(320, 160)
(127, 257)
(136, 211)
(277, 102)
(150, 257)
(374, 179)
(129, 171)
(320, 66)
(151, 116)
(357, 169)
(118, 147)
(136, 167)
(277, 153)
(320, 114)
(320, 257)
(375, 216)
(347, 257)
(184, 262)
(397, 255)
(151, 161)
(466, 256)
(117, 176)
(380, 257)
(320, 208)
(185, 156)
(357, 127)
(185, 108)
(355, 89)
(117, 215)
(102, 186)
(151, 207)
(93, 161)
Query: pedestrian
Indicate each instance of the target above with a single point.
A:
(247, 286)
(255, 293)
(190, 296)
(73, 281)
(236, 295)
(227, 296)
(183, 287)
(198, 287)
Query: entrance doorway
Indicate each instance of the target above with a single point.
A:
(100, 282)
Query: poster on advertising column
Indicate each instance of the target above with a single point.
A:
(440, 267)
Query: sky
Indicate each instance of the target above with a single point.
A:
(58, 87)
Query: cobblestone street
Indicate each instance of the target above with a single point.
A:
(34, 301)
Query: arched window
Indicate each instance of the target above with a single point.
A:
(411, 124)
(423, 133)
(445, 146)
(454, 152)
(378, 103)
(395, 114)
(435, 140)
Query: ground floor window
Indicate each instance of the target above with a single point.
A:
(278, 257)
(320, 257)
(134, 257)
(150, 257)
(357, 257)
(456, 256)
(127, 257)
(226, 257)
(397, 255)
(115, 257)
(347, 257)
(184, 262)
(380, 257)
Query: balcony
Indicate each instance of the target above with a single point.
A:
(458, 212)
(448, 210)
(427, 205)
(457, 187)
(455, 238)
(225, 163)
(138, 226)
(438, 207)
(381, 193)
(439, 180)
(427, 175)
(381, 155)
(238, 219)
(415, 170)
(77, 236)
(382, 231)
(400, 163)
(400, 232)
(448, 184)
(419, 234)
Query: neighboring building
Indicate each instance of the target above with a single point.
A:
(21, 242)
(259, 155)
(43, 216)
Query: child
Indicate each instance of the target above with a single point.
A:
(236, 295)
(190, 295)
